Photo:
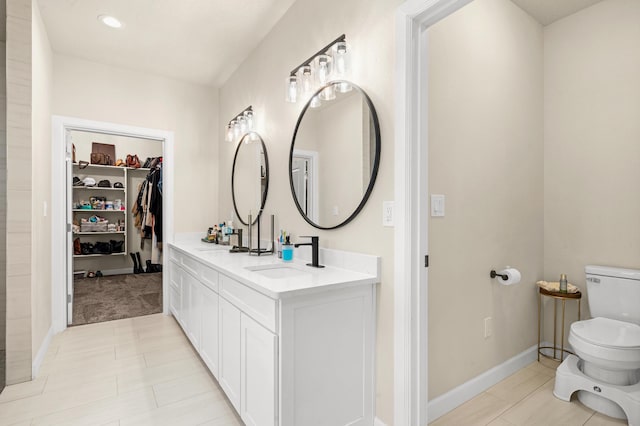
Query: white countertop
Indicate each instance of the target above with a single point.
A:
(306, 280)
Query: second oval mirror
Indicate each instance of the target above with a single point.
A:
(334, 157)
(250, 177)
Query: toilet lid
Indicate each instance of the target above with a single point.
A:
(608, 332)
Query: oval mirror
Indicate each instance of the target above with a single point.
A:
(335, 154)
(250, 178)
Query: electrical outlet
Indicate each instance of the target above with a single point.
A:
(488, 327)
(387, 213)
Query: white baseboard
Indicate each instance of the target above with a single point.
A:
(378, 422)
(37, 361)
(444, 403)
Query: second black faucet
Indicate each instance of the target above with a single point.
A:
(314, 250)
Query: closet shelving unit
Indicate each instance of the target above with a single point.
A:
(113, 174)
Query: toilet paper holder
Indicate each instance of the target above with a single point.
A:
(494, 274)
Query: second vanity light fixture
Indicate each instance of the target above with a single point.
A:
(240, 125)
(329, 63)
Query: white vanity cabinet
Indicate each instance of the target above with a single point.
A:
(305, 358)
(230, 351)
(258, 368)
(209, 333)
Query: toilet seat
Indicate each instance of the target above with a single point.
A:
(611, 344)
(608, 333)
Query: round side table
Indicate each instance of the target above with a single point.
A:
(563, 297)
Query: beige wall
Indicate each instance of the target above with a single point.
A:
(592, 134)
(99, 92)
(307, 26)
(485, 156)
(19, 191)
(41, 178)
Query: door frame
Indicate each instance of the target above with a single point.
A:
(61, 254)
(312, 156)
(413, 17)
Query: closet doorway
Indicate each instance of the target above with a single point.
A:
(116, 217)
(113, 222)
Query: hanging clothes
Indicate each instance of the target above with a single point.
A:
(147, 210)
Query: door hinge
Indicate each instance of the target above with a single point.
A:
(426, 261)
(68, 298)
(68, 227)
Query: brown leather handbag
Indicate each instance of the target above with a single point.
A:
(133, 161)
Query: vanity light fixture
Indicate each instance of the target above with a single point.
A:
(239, 125)
(110, 21)
(329, 62)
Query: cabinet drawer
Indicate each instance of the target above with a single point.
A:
(174, 274)
(258, 306)
(189, 264)
(208, 277)
(174, 255)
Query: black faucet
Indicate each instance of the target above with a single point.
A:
(314, 250)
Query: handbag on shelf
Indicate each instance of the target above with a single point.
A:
(101, 158)
(133, 161)
(108, 150)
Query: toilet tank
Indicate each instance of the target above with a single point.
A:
(614, 293)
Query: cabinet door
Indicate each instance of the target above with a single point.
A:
(209, 330)
(194, 314)
(230, 351)
(258, 374)
(175, 284)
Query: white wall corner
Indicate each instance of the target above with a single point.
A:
(454, 398)
(42, 352)
(378, 422)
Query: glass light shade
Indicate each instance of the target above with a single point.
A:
(323, 69)
(242, 123)
(229, 133)
(292, 89)
(306, 79)
(248, 116)
(343, 87)
(236, 130)
(328, 93)
(315, 102)
(340, 59)
(253, 136)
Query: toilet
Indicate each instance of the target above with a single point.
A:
(605, 370)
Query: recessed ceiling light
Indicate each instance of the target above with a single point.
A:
(110, 21)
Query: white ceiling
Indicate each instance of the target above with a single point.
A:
(549, 11)
(201, 41)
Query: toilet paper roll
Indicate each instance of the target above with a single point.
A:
(513, 276)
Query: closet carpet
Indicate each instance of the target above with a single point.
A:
(115, 297)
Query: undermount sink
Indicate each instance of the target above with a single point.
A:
(277, 270)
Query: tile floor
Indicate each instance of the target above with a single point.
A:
(525, 398)
(137, 371)
(143, 371)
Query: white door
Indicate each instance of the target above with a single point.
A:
(68, 224)
(209, 330)
(303, 166)
(258, 374)
(230, 351)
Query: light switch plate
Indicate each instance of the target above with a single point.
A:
(387, 213)
(437, 205)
